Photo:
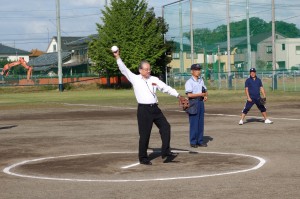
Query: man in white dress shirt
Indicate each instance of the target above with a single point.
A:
(148, 112)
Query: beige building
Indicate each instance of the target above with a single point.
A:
(288, 52)
(187, 61)
(199, 59)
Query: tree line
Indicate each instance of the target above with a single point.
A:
(133, 27)
(139, 34)
(205, 37)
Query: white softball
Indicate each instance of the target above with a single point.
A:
(114, 48)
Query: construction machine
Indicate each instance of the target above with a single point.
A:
(7, 67)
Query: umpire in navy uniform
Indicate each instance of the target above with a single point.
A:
(196, 91)
(148, 112)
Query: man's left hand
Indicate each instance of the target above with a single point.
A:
(184, 103)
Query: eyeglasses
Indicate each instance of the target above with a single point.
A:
(147, 70)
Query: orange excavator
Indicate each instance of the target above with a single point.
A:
(5, 70)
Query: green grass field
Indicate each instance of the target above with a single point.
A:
(31, 97)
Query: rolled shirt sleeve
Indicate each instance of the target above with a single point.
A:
(188, 87)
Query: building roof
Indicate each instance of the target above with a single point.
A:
(7, 50)
(65, 41)
(49, 59)
(42, 68)
(233, 42)
(254, 40)
(242, 41)
(82, 40)
(36, 53)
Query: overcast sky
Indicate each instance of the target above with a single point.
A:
(29, 24)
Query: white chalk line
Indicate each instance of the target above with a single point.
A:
(130, 166)
(277, 118)
(212, 114)
(94, 105)
(8, 169)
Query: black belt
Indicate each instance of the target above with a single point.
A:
(197, 98)
(148, 105)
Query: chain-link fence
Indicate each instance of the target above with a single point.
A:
(37, 80)
(283, 81)
(209, 44)
(288, 80)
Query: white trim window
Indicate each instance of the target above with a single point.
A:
(188, 55)
(297, 50)
(175, 55)
(269, 49)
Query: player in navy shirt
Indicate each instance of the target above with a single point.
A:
(253, 88)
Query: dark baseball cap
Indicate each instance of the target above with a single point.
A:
(252, 70)
(196, 67)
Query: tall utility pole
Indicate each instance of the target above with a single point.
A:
(274, 80)
(181, 39)
(59, 59)
(228, 47)
(219, 67)
(192, 31)
(166, 67)
(249, 58)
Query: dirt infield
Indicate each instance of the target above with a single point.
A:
(79, 151)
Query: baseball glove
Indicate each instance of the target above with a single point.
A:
(184, 103)
(262, 100)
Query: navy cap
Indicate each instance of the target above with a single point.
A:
(252, 70)
(196, 67)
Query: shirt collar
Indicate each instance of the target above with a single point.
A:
(194, 79)
(143, 78)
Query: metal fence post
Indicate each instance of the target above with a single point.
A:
(283, 82)
(295, 81)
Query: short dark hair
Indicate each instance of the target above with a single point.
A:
(143, 62)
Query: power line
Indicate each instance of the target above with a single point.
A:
(30, 11)
(69, 32)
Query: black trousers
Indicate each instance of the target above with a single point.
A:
(147, 115)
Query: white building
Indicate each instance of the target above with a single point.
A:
(52, 47)
(12, 54)
(288, 52)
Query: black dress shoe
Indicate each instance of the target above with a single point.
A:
(194, 145)
(146, 162)
(169, 154)
(202, 145)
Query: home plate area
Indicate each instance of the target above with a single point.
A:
(123, 166)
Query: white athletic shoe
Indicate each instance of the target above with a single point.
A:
(267, 121)
(241, 122)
